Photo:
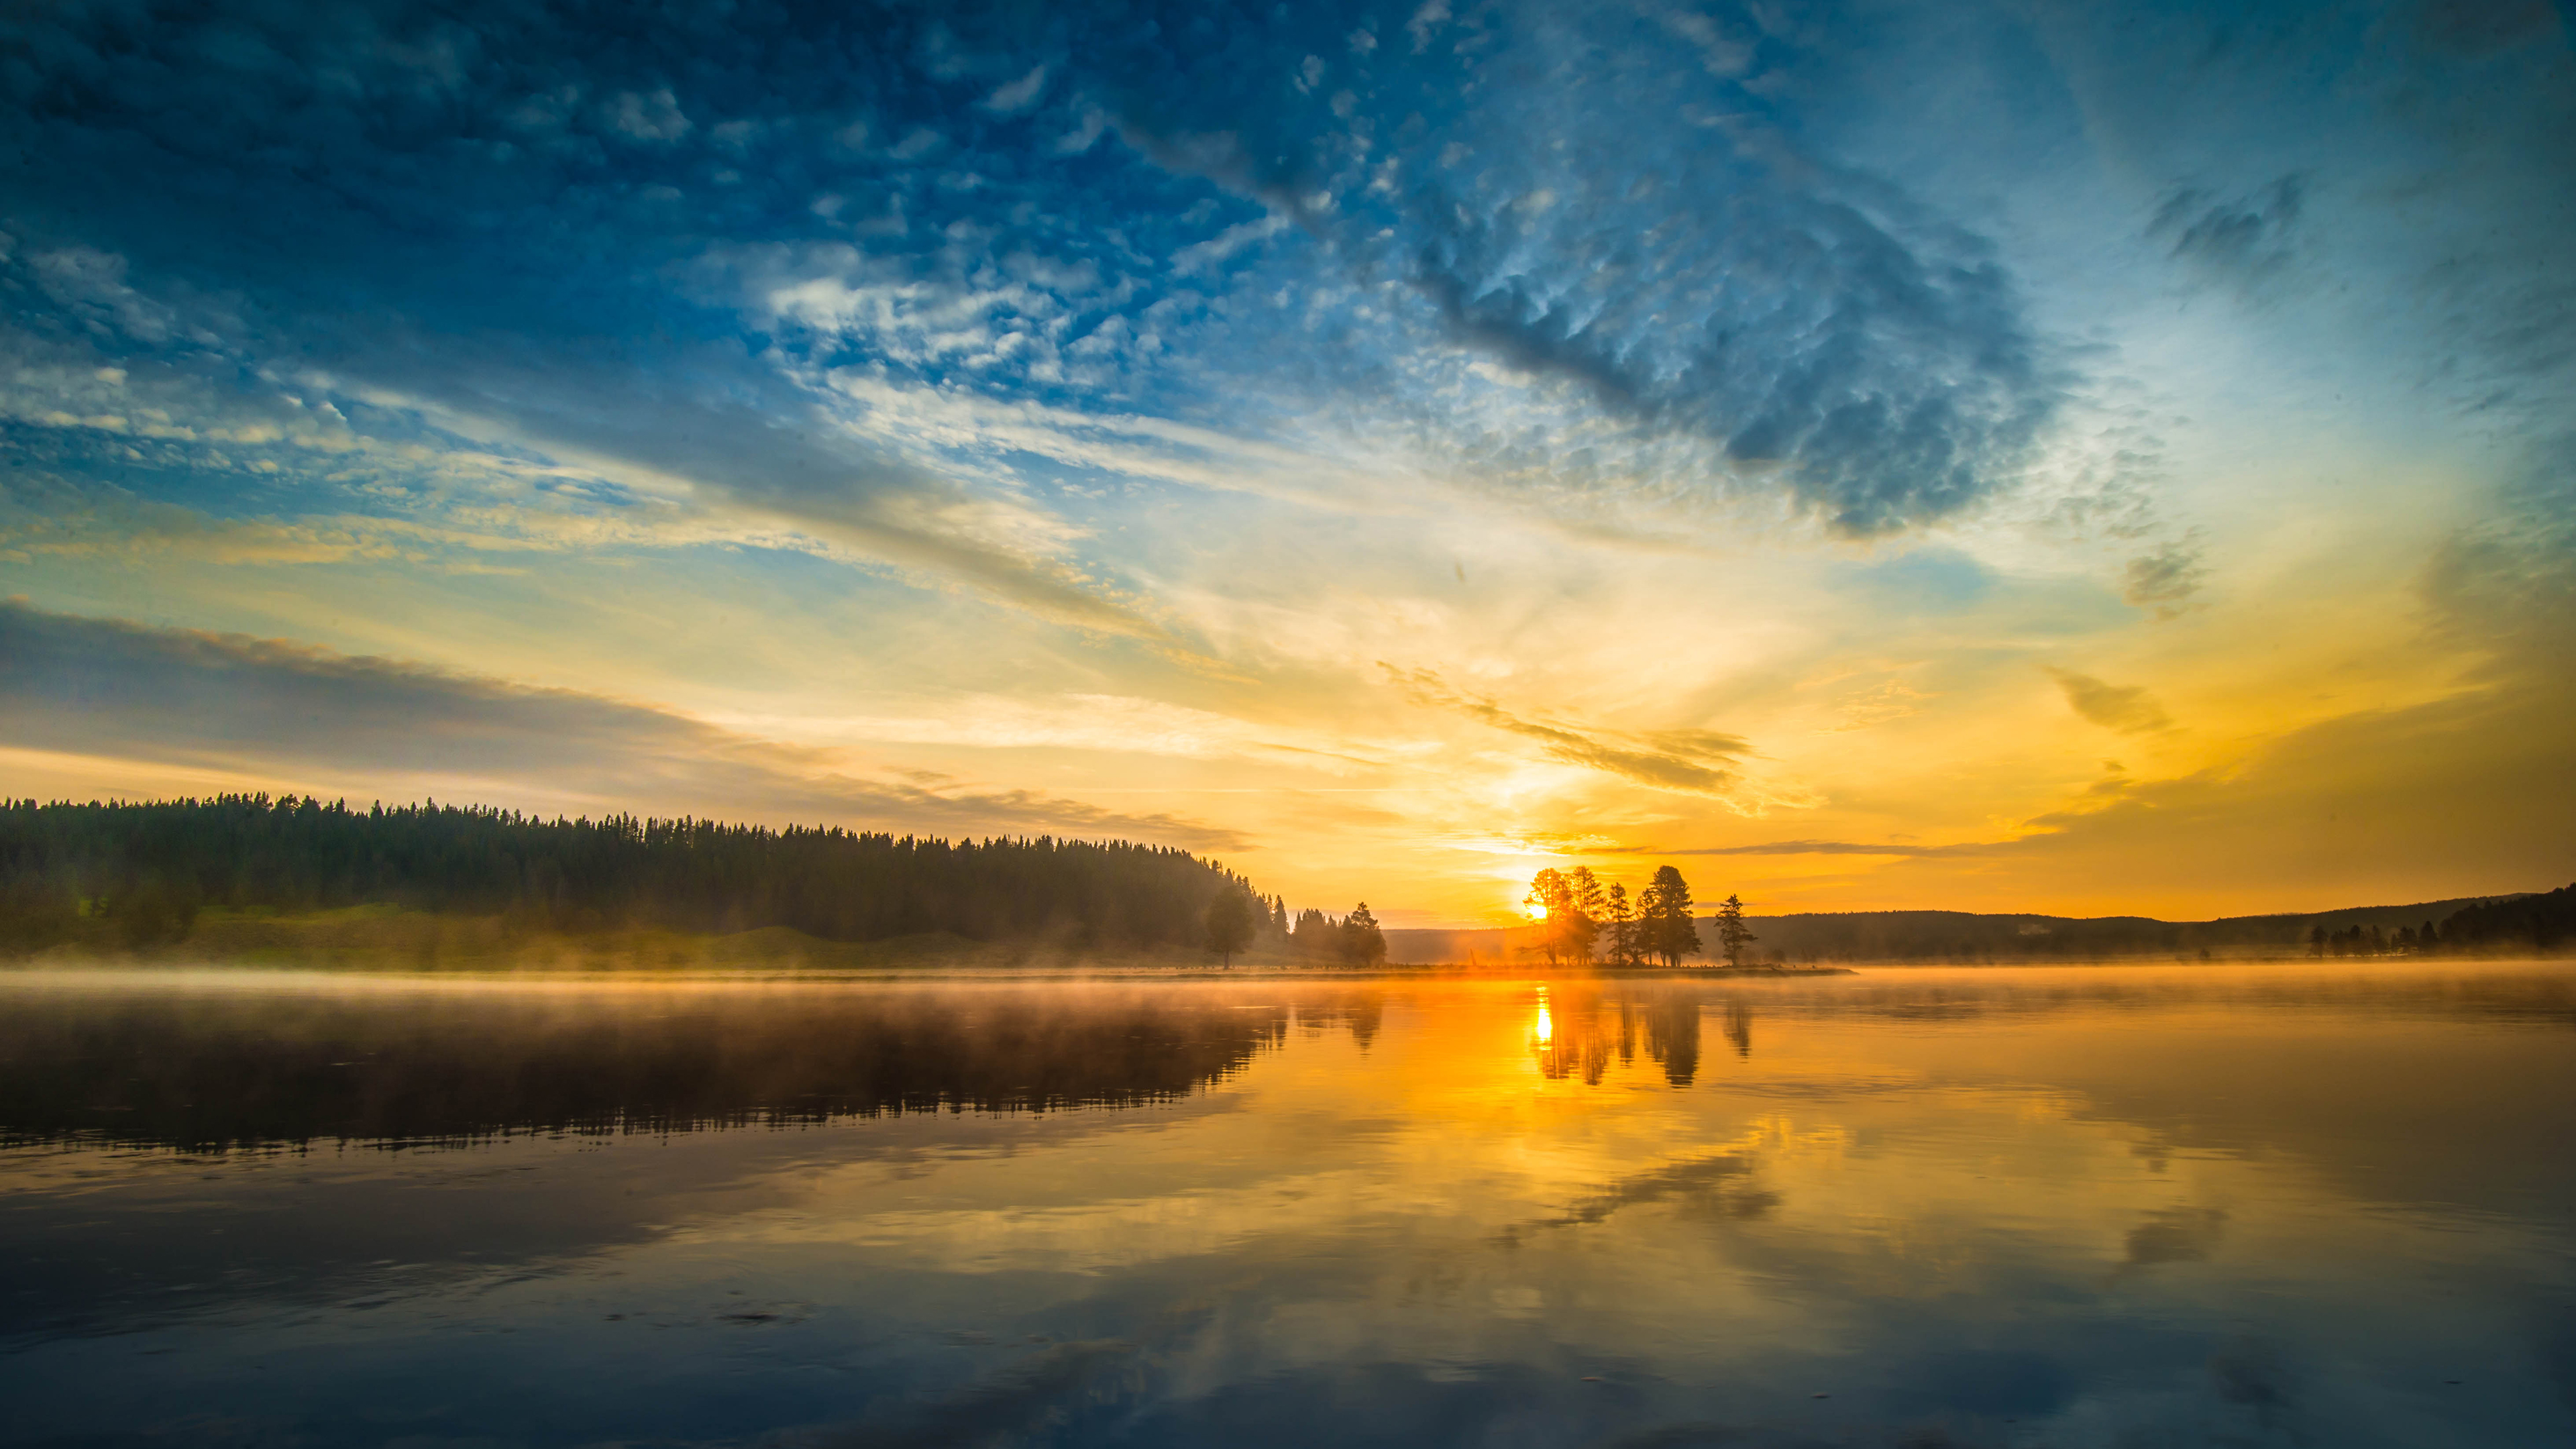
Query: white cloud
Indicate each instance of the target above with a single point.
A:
(654, 117)
(1019, 95)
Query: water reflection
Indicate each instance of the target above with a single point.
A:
(1966, 1208)
(204, 1067)
(1582, 1030)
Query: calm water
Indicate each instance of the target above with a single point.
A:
(2323, 1207)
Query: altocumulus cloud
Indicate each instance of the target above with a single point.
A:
(104, 687)
(642, 245)
(1520, 167)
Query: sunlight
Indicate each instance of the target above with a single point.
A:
(1544, 1029)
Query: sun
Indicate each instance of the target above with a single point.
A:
(1534, 910)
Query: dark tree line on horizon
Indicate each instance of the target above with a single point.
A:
(139, 874)
(2542, 922)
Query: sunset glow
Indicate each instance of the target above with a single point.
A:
(2064, 459)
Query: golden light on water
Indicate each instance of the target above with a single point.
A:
(1544, 1029)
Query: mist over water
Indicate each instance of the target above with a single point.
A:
(2108, 1206)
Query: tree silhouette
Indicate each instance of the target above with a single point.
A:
(1732, 934)
(1363, 944)
(1621, 918)
(1664, 917)
(1229, 924)
(1569, 928)
(138, 874)
(1591, 904)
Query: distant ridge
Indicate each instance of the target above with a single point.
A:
(1964, 937)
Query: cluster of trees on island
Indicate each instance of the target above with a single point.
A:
(140, 874)
(1583, 919)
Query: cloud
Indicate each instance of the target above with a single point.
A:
(113, 689)
(1695, 762)
(1019, 95)
(2126, 708)
(1832, 334)
(2246, 238)
(777, 455)
(1204, 256)
(1864, 708)
(1114, 723)
(1835, 847)
(654, 117)
(2428, 801)
(1656, 232)
(2164, 580)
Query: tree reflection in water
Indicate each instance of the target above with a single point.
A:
(222, 1070)
(2097, 1206)
(1579, 1029)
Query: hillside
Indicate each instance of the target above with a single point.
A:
(1960, 936)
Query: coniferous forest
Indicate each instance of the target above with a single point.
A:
(131, 875)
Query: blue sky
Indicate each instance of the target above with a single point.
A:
(2081, 454)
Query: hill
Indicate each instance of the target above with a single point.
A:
(2480, 922)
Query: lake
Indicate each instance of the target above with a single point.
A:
(2318, 1204)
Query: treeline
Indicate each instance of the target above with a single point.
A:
(130, 875)
(2465, 926)
(2539, 922)
(1240, 920)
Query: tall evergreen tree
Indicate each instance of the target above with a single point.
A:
(1732, 934)
(1621, 919)
(1363, 944)
(1664, 917)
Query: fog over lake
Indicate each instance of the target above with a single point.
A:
(2314, 1204)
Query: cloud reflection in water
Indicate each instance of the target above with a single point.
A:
(1973, 1208)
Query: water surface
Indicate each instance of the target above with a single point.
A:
(2109, 1206)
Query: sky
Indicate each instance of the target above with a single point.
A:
(2087, 458)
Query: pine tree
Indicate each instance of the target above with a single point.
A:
(1732, 934)
(1363, 944)
(1621, 918)
(1664, 918)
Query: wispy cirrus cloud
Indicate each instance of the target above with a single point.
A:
(1698, 762)
(1838, 847)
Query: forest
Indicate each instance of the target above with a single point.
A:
(2543, 922)
(126, 875)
